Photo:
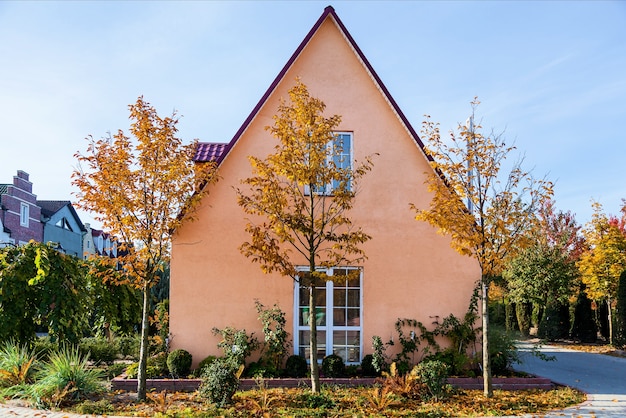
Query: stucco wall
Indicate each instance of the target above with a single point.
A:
(411, 271)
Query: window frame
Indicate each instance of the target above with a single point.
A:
(328, 188)
(24, 214)
(327, 345)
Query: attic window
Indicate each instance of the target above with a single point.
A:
(63, 223)
(339, 154)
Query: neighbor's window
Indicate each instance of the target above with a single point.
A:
(24, 214)
(338, 313)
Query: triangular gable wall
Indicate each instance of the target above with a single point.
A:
(329, 13)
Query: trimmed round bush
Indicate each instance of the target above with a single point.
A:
(179, 363)
(367, 366)
(333, 366)
(296, 366)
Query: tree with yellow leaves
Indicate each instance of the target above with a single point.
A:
(139, 189)
(485, 213)
(299, 198)
(605, 259)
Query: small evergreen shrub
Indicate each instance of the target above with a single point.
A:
(219, 382)
(502, 351)
(367, 366)
(296, 366)
(129, 346)
(333, 366)
(204, 363)
(100, 350)
(433, 375)
(179, 363)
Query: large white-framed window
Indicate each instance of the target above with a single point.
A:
(340, 154)
(338, 316)
(24, 214)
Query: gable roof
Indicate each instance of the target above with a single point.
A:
(50, 207)
(211, 150)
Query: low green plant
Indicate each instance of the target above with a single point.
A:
(66, 377)
(296, 366)
(433, 374)
(220, 381)
(100, 350)
(179, 363)
(367, 366)
(502, 350)
(17, 364)
(100, 407)
(129, 346)
(204, 363)
(114, 370)
(333, 366)
(318, 401)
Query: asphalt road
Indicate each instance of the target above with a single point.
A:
(602, 377)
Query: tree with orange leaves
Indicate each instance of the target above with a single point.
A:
(491, 226)
(139, 189)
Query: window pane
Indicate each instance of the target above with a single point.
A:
(339, 297)
(339, 316)
(354, 317)
(354, 281)
(320, 297)
(354, 299)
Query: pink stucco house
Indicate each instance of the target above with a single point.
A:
(411, 271)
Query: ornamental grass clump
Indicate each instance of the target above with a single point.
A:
(66, 378)
(17, 364)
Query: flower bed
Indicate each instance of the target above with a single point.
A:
(189, 385)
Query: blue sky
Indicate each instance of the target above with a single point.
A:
(551, 75)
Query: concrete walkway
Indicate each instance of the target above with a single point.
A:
(602, 377)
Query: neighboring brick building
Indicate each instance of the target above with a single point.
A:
(19, 213)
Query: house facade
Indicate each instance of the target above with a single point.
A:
(19, 212)
(411, 271)
(62, 226)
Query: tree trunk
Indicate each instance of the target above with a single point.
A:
(487, 386)
(143, 351)
(610, 319)
(315, 371)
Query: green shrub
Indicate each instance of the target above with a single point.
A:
(554, 323)
(159, 362)
(502, 351)
(296, 366)
(261, 369)
(433, 375)
(219, 382)
(17, 364)
(203, 365)
(66, 377)
(44, 347)
(333, 366)
(236, 344)
(129, 346)
(101, 407)
(367, 366)
(179, 363)
(315, 401)
(100, 350)
(154, 368)
(114, 370)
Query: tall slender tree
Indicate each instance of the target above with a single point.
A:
(484, 211)
(605, 259)
(299, 198)
(138, 189)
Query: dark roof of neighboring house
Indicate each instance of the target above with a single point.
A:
(50, 207)
(209, 151)
(328, 11)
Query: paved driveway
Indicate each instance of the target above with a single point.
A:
(601, 376)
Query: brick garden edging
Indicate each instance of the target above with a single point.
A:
(189, 385)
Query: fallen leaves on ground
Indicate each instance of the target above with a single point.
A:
(334, 401)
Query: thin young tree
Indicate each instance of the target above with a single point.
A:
(605, 259)
(484, 211)
(299, 198)
(138, 189)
